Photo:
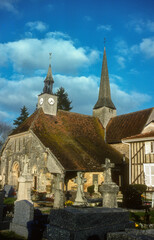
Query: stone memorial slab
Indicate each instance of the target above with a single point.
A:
(83, 223)
(23, 214)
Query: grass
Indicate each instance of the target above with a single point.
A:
(139, 217)
(9, 200)
(10, 235)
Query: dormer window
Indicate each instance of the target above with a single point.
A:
(149, 147)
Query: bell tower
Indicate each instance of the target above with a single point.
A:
(104, 108)
(47, 100)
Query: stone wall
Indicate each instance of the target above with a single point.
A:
(90, 180)
(122, 148)
(104, 114)
(17, 150)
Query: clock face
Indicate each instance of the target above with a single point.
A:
(51, 101)
(41, 101)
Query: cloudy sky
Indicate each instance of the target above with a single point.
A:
(74, 32)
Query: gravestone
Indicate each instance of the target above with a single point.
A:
(59, 194)
(109, 189)
(153, 200)
(23, 215)
(25, 184)
(9, 190)
(96, 194)
(80, 199)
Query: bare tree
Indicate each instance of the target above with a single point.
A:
(5, 130)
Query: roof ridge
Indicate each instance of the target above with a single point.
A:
(81, 114)
(35, 118)
(134, 112)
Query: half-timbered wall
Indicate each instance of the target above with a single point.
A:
(138, 158)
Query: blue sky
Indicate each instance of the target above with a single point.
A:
(74, 32)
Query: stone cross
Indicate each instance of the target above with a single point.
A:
(80, 199)
(107, 172)
(109, 189)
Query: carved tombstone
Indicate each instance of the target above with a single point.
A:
(109, 189)
(59, 194)
(25, 183)
(80, 199)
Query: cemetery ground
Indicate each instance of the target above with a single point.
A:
(139, 216)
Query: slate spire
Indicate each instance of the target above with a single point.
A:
(104, 99)
(48, 82)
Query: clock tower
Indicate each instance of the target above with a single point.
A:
(47, 100)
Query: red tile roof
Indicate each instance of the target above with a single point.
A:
(76, 140)
(140, 136)
(126, 125)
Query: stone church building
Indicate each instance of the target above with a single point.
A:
(54, 142)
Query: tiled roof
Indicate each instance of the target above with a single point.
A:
(140, 136)
(76, 140)
(126, 125)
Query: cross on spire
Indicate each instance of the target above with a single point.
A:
(104, 41)
(50, 57)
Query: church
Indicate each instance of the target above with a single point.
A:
(56, 143)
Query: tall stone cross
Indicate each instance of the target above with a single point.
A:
(107, 170)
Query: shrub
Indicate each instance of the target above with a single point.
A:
(132, 196)
(90, 189)
(68, 203)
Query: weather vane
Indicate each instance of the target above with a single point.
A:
(104, 41)
(50, 57)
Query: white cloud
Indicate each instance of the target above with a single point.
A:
(140, 25)
(37, 25)
(122, 47)
(147, 47)
(115, 78)
(121, 61)
(32, 54)
(57, 35)
(127, 102)
(8, 5)
(150, 26)
(83, 91)
(88, 18)
(104, 27)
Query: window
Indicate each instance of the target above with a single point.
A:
(149, 147)
(149, 174)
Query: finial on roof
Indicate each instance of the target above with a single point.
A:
(104, 41)
(50, 57)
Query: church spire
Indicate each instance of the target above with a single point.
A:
(104, 108)
(48, 82)
(104, 99)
